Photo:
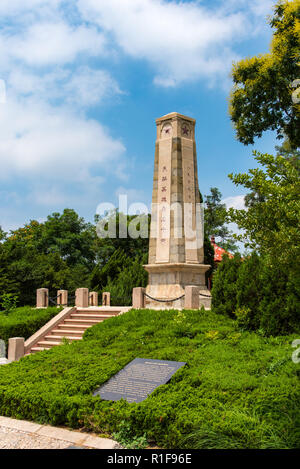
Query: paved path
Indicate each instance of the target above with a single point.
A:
(19, 434)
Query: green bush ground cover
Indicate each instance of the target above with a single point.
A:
(238, 390)
(25, 321)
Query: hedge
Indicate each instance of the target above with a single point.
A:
(238, 389)
(25, 321)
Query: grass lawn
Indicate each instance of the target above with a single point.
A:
(238, 390)
(25, 321)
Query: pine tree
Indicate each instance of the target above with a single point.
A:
(224, 291)
(249, 288)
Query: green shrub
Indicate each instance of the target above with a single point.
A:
(238, 390)
(120, 287)
(127, 439)
(25, 321)
(224, 291)
(9, 302)
(243, 318)
(249, 290)
(262, 294)
(279, 309)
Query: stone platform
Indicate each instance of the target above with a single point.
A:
(168, 281)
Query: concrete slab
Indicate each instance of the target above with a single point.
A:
(62, 434)
(21, 425)
(39, 436)
(100, 443)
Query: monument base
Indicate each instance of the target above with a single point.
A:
(168, 282)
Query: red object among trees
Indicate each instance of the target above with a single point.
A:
(219, 253)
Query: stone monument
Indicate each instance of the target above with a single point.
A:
(176, 247)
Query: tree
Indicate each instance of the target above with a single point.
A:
(262, 96)
(224, 291)
(286, 151)
(2, 234)
(271, 225)
(134, 275)
(215, 217)
(101, 275)
(249, 288)
(279, 311)
(105, 247)
(68, 235)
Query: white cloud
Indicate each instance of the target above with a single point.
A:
(88, 87)
(182, 40)
(134, 196)
(83, 87)
(237, 202)
(52, 43)
(262, 7)
(46, 137)
(40, 141)
(17, 7)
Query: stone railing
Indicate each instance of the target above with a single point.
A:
(82, 299)
(191, 298)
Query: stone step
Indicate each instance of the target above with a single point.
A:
(111, 312)
(69, 332)
(48, 344)
(37, 348)
(90, 316)
(87, 322)
(74, 327)
(51, 338)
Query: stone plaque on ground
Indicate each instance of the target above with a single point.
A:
(138, 379)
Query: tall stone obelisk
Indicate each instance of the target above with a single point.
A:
(176, 252)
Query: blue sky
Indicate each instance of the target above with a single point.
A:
(85, 81)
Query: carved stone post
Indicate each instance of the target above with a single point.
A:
(93, 298)
(138, 298)
(42, 298)
(106, 298)
(192, 300)
(62, 298)
(82, 298)
(16, 349)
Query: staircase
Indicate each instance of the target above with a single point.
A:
(71, 323)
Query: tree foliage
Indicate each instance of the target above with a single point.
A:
(262, 97)
(224, 291)
(65, 252)
(215, 218)
(269, 285)
(271, 225)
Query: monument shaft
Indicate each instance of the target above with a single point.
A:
(176, 252)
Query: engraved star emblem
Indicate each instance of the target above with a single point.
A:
(185, 130)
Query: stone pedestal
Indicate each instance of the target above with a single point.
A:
(42, 298)
(169, 282)
(16, 348)
(62, 298)
(94, 298)
(176, 247)
(192, 297)
(138, 298)
(82, 298)
(106, 298)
